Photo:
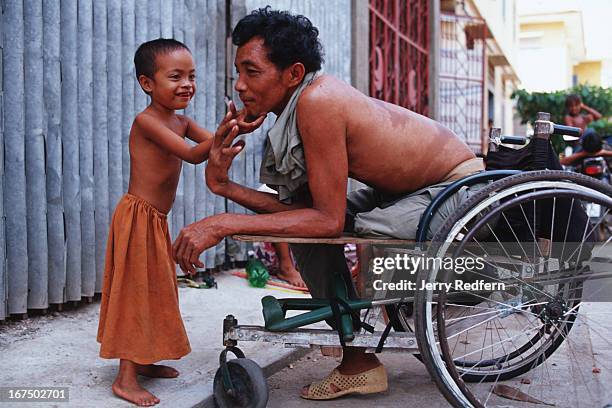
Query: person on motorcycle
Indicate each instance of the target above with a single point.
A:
(592, 146)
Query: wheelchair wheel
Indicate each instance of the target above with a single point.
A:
(250, 386)
(527, 311)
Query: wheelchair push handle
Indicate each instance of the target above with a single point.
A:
(497, 138)
(514, 140)
(563, 130)
(544, 128)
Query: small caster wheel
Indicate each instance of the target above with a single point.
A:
(250, 389)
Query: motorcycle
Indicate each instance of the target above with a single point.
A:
(597, 167)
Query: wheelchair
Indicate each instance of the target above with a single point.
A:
(516, 336)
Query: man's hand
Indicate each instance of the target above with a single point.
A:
(192, 241)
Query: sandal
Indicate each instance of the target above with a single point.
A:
(368, 382)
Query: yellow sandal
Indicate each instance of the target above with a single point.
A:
(368, 382)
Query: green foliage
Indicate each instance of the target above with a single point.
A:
(602, 127)
(529, 104)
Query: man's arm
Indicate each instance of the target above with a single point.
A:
(568, 160)
(323, 137)
(583, 154)
(323, 130)
(256, 201)
(604, 153)
(157, 132)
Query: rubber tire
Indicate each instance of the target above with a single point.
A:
(250, 381)
(541, 175)
(510, 181)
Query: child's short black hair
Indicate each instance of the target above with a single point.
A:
(145, 56)
(571, 100)
(290, 38)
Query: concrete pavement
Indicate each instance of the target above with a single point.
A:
(61, 350)
(569, 374)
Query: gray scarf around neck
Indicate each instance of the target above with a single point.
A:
(283, 166)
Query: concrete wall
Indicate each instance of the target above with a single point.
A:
(588, 72)
(544, 63)
(502, 20)
(606, 73)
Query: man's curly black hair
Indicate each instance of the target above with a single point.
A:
(290, 38)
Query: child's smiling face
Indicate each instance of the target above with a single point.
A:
(173, 84)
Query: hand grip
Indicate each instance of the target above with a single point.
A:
(566, 130)
(514, 140)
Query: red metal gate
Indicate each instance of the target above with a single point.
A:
(462, 75)
(399, 52)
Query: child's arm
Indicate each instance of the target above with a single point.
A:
(592, 113)
(195, 132)
(156, 131)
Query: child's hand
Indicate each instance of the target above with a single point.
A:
(241, 118)
(222, 153)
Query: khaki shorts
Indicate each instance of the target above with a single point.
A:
(371, 213)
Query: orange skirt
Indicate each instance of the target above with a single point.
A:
(140, 319)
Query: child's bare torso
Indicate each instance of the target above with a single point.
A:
(154, 172)
(580, 121)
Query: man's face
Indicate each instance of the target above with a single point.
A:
(261, 85)
(173, 83)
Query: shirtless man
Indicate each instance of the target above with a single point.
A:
(344, 133)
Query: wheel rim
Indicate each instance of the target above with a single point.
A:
(444, 357)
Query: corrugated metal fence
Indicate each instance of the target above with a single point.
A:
(68, 97)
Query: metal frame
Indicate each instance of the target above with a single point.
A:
(308, 338)
(462, 76)
(399, 52)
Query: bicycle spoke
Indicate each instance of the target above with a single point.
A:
(535, 325)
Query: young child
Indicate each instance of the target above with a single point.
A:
(574, 116)
(140, 321)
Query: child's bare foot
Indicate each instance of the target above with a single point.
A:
(290, 274)
(126, 386)
(156, 371)
(134, 393)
